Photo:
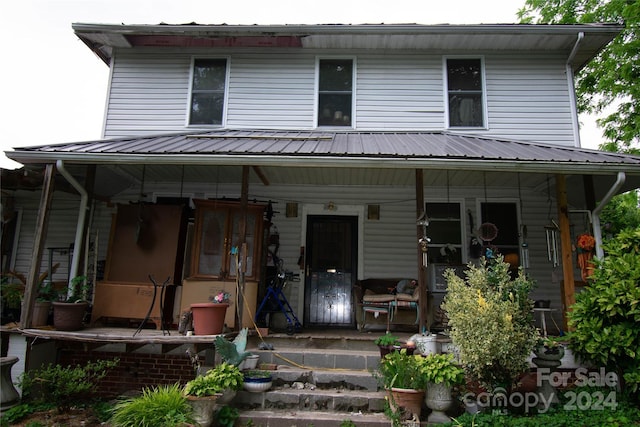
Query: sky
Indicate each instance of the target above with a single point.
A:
(53, 88)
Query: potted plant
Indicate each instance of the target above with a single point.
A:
(549, 348)
(389, 342)
(69, 314)
(208, 317)
(217, 386)
(257, 380)
(12, 293)
(403, 376)
(441, 373)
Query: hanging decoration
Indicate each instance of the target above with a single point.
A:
(552, 233)
(423, 242)
(585, 246)
(524, 246)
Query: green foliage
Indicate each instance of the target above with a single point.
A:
(613, 76)
(620, 213)
(623, 415)
(227, 416)
(440, 368)
(64, 386)
(347, 423)
(222, 377)
(401, 370)
(162, 406)
(78, 288)
(606, 314)
(387, 340)
(491, 323)
(16, 413)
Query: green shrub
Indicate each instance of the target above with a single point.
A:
(223, 376)
(64, 386)
(162, 406)
(491, 323)
(227, 416)
(606, 314)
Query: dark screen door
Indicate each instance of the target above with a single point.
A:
(331, 262)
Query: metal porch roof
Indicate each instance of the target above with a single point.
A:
(334, 149)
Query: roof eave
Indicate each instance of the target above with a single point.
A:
(532, 166)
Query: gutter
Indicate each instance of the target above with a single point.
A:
(572, 90)
(597, 231)
(73, 270)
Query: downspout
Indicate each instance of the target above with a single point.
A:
(73, 270)
(572, 91)
(595, 215)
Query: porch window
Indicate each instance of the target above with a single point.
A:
(445, 232)
(504, 215)
(335, 92)
(207, 91)
(464, 90)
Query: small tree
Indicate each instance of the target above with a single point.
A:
(491, 322)
(606, 314)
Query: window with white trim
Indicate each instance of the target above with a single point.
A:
(335, 92)
(207, 91)
(464, 92)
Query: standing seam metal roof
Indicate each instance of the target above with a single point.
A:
(339, 144)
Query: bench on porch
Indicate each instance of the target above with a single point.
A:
(386, 297)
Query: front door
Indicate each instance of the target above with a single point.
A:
(330, 270)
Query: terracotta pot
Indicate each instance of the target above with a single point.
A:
(40, 315)
(69, 316)
(406, 399)
(208, 318)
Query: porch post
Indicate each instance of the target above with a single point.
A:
(422, 276)
(568, 285)
(39, 238)
(242, 231)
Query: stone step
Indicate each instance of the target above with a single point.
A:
(358, 360)
(324, 379)
(295, 418)
(312, 399)
(347, 341)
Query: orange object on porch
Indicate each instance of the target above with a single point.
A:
(585, 262)
(208, 318)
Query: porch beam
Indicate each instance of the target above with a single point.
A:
(40, 236)
(261, 175)
(568, 297)
(422, 276)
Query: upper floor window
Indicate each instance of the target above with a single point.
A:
(335, 92)
(464, 92)
(207, 91)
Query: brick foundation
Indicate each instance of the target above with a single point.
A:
(135, 370)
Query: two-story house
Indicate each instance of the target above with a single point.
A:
(357, 143)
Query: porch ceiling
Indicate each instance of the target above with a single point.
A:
(332, 158)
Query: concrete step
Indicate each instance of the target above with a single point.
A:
(294, 418)
(312, 358)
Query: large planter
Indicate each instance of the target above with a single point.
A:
(438, 399)
(208, 318)
(406, 399)
(40, 316)
(204, 408)
(69, 316)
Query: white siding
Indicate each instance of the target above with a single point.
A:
(527, 95)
